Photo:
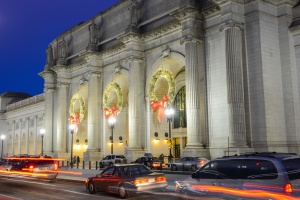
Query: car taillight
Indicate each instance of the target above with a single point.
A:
(140, 181)
(31, 167)
(55, 167)
(160, 179)
(288, 188)
(201, 162)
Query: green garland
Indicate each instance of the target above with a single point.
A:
(78, 97)
(167, 74)
(113, 86)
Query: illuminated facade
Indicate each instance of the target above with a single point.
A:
(229, 68)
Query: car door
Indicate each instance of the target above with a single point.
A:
(104, 179)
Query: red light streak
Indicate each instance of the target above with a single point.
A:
(245, 193)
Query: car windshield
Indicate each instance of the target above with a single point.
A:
(292, 166)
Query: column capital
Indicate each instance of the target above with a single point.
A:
(231, 24)
(190, 38)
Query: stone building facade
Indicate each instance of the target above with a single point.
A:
(229, 68)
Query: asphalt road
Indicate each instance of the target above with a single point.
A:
(17, 188)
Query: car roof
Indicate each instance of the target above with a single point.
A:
(265, 155)
(129, 164)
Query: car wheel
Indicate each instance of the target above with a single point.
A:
(193, 168)
(122, 192)
(92, 188)
(173, 168)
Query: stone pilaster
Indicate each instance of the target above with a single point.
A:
(49, 89)
(27, 135)
(148, 138)
(35, 135)
(62, 118)
(192, 32)
(20, 137)
(136, 101)
(235, 86)
(13, 136)
(134, 106)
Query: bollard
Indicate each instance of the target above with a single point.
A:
(82, 164)
(90, 165)
(99, 166)
(63, 163)
(67, 163)
(96, 165)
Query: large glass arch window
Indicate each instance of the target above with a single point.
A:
(180, 109)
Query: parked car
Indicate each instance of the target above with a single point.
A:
(188, 163)
(35, 166)
(151, 162)
(252, 175)
(126, 179)
(112, 159)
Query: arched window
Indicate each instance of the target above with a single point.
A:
(180, 109)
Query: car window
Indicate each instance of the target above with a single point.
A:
(108, 171)
(206, 174)
(182, 159)
(138, 170)
(292, 167)
(121, 156)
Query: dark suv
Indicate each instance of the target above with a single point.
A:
(250, 175)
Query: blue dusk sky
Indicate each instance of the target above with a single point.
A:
(26, 29)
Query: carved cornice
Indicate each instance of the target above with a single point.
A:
(211, 10)
(220, 2)
(162, 30)
(274, 2)
(190, 39)
(47, 74)
(78, 65)
(60, 69)
(231, 24)
(129, 37)
(113, 50)
(135, 59)
(186, 13)
(295, 30)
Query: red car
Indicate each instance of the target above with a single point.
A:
(125, 179)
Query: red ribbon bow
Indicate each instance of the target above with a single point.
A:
(110, 112)
(75, 120)
(163, 103)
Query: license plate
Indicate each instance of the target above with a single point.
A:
(151, 180)
(44, 168)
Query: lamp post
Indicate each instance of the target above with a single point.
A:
(71, 127)
(42, 132)
(2, 138)
(111, 122)
(169, 112)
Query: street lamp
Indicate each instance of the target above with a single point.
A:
(71, 127)
(169, 112)
(42, 132)
(111, 122)
(2, 138)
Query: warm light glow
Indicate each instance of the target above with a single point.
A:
(71, 127)
(169, 111)
(77, 146)
(42, 131)
(111, 121)
(2, 137)
(85, 146)
(156, 140)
